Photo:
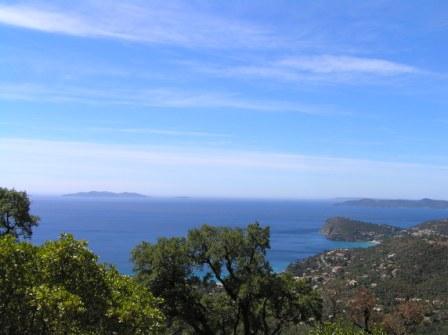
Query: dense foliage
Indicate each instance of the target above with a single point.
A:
(15, 218)
(59, 288)
(218, 281)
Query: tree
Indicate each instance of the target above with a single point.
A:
(361, 307)
(132, 309)
(18, 272)
(405, 318)
(218, 281)
(60, 288)
(15, 217)
(55, 311)
(167, 269)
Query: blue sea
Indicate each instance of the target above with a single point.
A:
(113, 227)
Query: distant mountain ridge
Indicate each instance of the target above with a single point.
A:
(396, 203)
(104, 194)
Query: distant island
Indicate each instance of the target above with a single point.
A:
(103, 194)
(396, 203)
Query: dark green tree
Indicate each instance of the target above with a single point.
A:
(15, 217)
(168, 270)
(218, 281)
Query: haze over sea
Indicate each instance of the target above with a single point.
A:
(114, 226)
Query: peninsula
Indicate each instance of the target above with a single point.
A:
(345, 229)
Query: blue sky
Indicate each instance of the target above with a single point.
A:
(271, 99)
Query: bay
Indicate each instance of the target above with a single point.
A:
(113, 227)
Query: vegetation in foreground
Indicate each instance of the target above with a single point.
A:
(60, 288)
(216, 280)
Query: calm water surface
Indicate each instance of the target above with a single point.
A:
(114, 226)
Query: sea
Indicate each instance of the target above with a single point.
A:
(113, 227)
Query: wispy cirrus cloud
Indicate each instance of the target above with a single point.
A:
(347, 64)
(158, 98)
(50, 20)
(187, 24)
(174, 23)
(319, 68)
(162, 132)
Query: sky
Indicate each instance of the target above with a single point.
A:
(263, 99)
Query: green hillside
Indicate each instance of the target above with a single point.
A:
(345, 229)
(410, 267)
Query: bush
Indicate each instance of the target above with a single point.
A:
(60, 288)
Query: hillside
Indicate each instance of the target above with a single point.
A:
(405, 267)
(409, 266)
(396, 203)
(433, 227)
(345, 229)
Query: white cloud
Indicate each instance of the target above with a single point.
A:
(163, 132)
(157, 98)
(54, 166)
(156, 22)
(187, 24)
(48, 21)
(317, 68)
(346, 64)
